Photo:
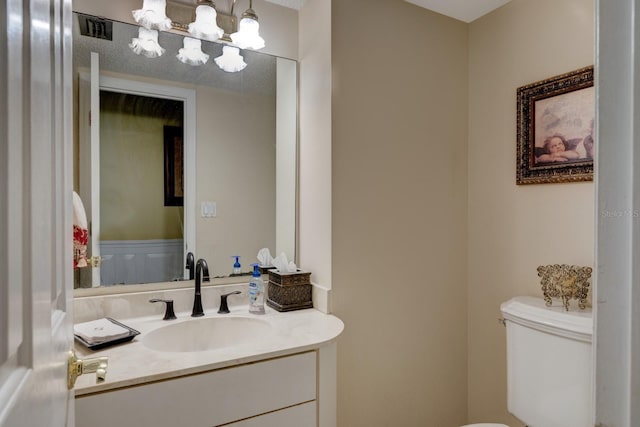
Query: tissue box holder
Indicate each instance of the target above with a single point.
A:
(264, 269)
(289, 291)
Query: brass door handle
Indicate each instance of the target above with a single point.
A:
(77, 367)
(95, 261)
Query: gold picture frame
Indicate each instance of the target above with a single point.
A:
(173, 166)
(555, 120)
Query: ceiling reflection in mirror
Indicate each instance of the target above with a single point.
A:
(243, 179)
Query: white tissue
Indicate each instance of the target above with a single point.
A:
(101, 330)
(283, 265)
(264, 257)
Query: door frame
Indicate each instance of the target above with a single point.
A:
(188, 97)
(617, 258)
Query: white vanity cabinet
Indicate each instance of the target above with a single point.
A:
(279, 392)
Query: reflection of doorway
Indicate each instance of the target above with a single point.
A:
(137, 237)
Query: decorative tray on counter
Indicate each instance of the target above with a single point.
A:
(108, 343)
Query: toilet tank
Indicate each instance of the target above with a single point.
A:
(549, 363)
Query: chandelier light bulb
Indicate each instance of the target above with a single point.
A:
(146, 43)
(192, 53)
(206, 26)
(230, 61)
(153, 15)
(248, 34)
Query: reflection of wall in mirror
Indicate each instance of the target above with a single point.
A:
(235, 164)
(243, 125)
(132, 175)
(140, 238)
(236, 169)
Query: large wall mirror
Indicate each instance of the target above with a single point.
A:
(180, 158)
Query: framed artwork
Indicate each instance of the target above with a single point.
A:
(173, 166)
(555, 129)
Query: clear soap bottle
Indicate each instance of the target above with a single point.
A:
(237, 269)
(256, 292)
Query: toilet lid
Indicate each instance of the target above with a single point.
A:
(486, 425)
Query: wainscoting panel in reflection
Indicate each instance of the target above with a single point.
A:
(141, 261)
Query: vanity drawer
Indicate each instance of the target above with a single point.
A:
(211, 398)
(297, 416)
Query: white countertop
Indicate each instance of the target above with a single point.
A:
(133, 363)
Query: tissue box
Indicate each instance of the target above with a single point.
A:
(289, 291)
(289, 279)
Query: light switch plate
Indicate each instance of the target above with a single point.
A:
(208, 209)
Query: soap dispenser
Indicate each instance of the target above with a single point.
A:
(237, 269)
(256, 291)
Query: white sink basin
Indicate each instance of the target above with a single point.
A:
(206, 334)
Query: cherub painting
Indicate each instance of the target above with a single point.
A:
(556, 129)
(563, 123)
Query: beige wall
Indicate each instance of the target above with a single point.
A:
(235, 163)
(132, 151)
(399, 214)
(513, 229)
(236, 157)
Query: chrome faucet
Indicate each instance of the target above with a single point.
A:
(190, 264)
(202, 274)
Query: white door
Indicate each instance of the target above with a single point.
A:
(89, 169)
(35, 213)
(617, 163)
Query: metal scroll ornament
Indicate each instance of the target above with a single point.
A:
(566, 282)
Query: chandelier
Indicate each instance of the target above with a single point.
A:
(207, 24)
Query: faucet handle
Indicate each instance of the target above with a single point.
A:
(168, 314)
(224, 308)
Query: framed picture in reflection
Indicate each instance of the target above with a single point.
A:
(555, 124)
(173, 166)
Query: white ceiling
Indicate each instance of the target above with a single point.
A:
(225, 5)
(463, 10)
(293, 4)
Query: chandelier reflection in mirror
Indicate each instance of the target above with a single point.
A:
(207, 24)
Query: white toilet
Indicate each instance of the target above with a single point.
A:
(549, 371)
